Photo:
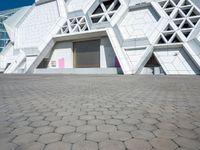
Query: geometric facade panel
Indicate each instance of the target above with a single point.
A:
(139, 23)
(73, 25)
(184, 15)
(136, 36)
(105, 11)
(175, 61)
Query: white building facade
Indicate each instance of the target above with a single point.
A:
(104, 37)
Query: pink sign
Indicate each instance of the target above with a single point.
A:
(61, 63)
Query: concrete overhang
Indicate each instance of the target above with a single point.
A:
(80, 35)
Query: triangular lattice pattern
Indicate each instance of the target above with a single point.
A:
(105, 11)
(74, 25)
(185, 17)
(169, 36)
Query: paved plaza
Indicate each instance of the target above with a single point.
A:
(66, 112)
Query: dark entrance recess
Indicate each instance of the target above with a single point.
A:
(87, 54)
(152, 62)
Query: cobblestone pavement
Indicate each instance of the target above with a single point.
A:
(99, 112)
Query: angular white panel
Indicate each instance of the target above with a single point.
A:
(11, 23)
(37, 25)
(75, 5)
(175, 61)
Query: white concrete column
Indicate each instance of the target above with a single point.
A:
(62, 8)
(69, 55)
(102, 54)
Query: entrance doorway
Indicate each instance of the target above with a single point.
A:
(87, 54)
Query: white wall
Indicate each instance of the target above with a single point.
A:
(37, 25)
(62, 50)
(107, 54)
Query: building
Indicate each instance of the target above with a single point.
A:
(103, 37)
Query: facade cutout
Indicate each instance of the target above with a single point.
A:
(105, 11)
(74, 25)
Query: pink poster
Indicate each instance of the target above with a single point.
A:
(61, 63)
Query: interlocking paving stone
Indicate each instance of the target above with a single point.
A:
(165, 134)
(31, 146)
(186, 125)
(114, 121)
(58, 123)
(186, 133)
(7, 146)
(85, 145)
(22, 130)
(87, 117)
(53, 118)
(77, 123)
(25, 138)
(36, 118)
(43, 130)
(86, 129)
(4, 138)
(106, 128)
(147, 127)
(149, 120)
(73, 137)
(111, 112)
(111, 145)
(137, 144)
(131, 121)
(97, 136)
(58, 146)
(182, 149)
(142, 134)
(49, 138)
(163, 144)
(103, 117)
(188, 143)
(39, 123)
(126, 127)
(120, 135)
(65, 129)
(167, 126)
(96, 122)
(20, 124)
(5, 130)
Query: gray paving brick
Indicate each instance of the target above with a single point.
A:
(113, 112)
(86, 129)
(22, 130)
(111, 145)
(31, 146)
(7, 146)
(163, 144)
(136, 144)
(142, 134)
(165, 134)
(25, 138)
(106, 128)
(49, 138)
(73, 137)
(97, 136)
(85, 145)
(43, 130)
(120, 135)
(65, 129)
(188, 143)
(58, 146)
